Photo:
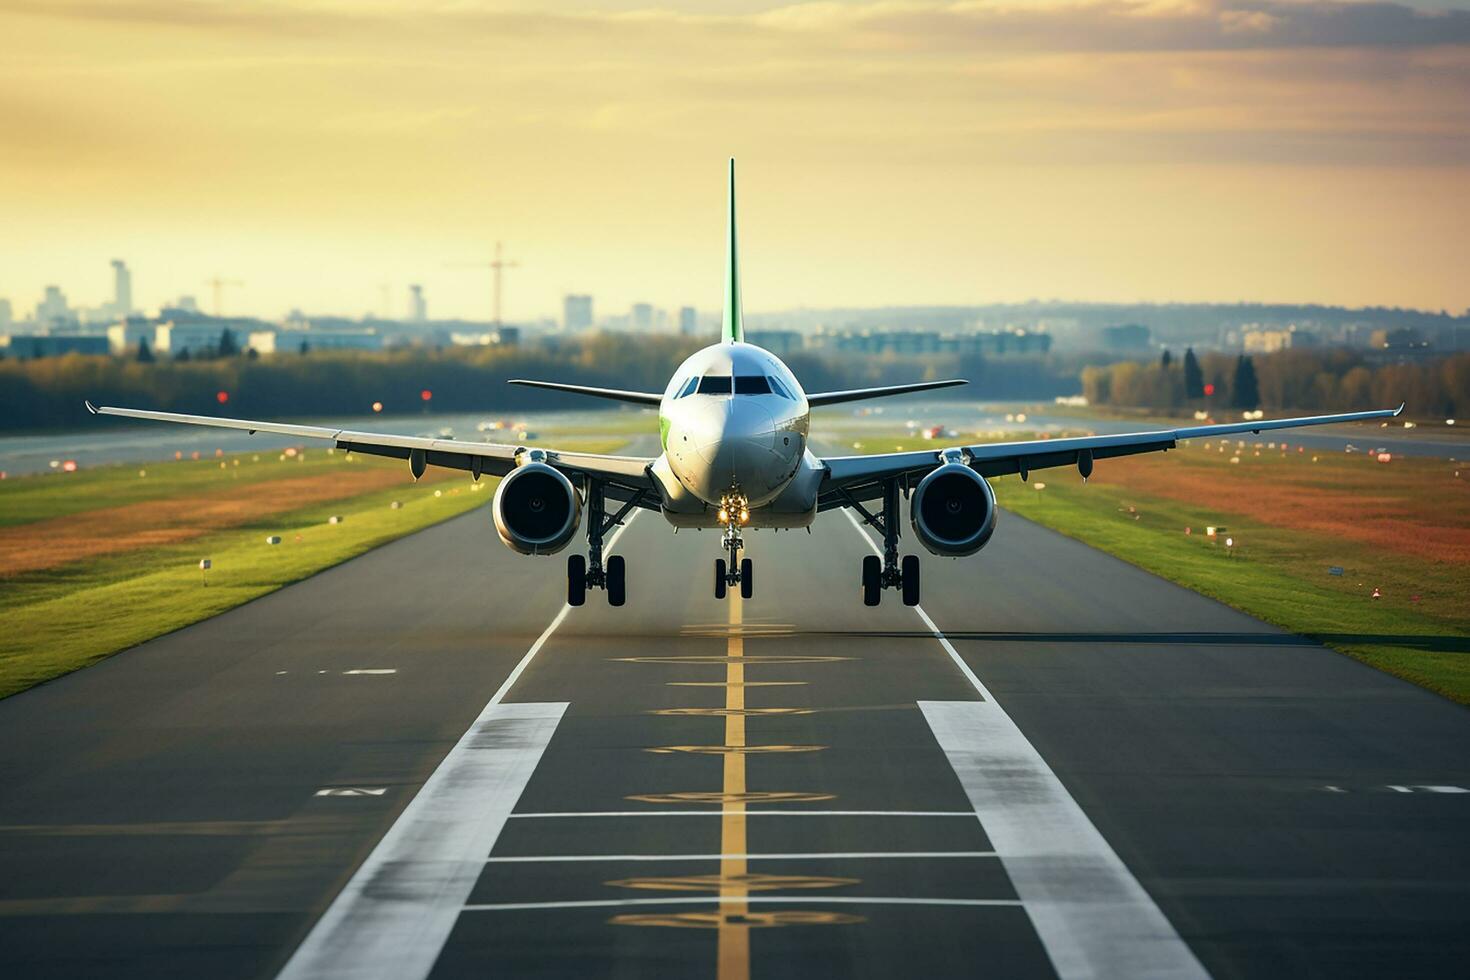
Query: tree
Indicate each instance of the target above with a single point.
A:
(1166, 360)
(1194, 378)
(145, 353)
(1245, 391)
(227, 345)
(252, 354)
(182, 355)
(305, 347)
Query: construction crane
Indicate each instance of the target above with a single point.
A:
(495, 266)
(218, 285)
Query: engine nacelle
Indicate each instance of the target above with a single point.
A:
(537, 510)
(953, 511)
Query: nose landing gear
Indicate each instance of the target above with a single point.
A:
(734, 512)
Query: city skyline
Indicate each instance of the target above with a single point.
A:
(893, 153)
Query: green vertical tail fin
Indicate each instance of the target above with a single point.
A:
(732, 331)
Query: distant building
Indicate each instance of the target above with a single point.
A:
(7, 315)
(1260, 340)
(688, 320)
(20, 345)
(918, 343)
(1398, 339)
(187, 304)
(289, 341)
(418, 310)
(173, 337)
(122, 289)
(1127, 336)
(576, 312)
(53, 307)
(502, 337)
(123, 336)
(640, 317)
(775, 341)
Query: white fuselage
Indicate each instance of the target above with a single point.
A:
(733, 422)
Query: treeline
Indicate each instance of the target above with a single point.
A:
(48, 392)
(1314, 380)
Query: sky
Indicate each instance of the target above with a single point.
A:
(890, 152)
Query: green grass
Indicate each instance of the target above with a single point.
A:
(1277, 574)
(65, 618)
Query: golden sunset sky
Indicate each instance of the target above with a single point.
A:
(889, 152)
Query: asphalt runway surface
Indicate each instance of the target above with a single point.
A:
(422, 764)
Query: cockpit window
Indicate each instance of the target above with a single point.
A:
(688, 387)
(751, 384)
(779, 388)
(714, 384)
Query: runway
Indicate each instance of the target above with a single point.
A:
(421, 763)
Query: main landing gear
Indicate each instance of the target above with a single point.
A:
(734, 512)
(888, 572)
(588, 572)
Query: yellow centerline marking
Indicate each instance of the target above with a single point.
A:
(734, 938)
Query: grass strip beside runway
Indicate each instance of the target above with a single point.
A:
(80, 582)
(1400, 528)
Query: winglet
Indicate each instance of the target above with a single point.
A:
(732, 331)
(90, 407)
(1400, 410)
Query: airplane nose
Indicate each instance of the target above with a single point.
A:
(736, 435)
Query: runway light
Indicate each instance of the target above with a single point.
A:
(1039, 486)
(1209, 390)
(426, 394)
(1230, 542)
(70, 466)
(221, 396)
(377, 406)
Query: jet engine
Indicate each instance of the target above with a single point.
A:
(537, 510)
(953, 511)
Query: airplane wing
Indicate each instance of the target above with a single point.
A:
(613, 394)
(820, 398)
(851, 478)
(627, 476)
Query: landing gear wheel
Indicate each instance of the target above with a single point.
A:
(719, 578)
(617, 580)
(746, 578)
(910, 580)
(576, 580)
(872, 580)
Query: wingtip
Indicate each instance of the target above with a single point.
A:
(1400, 410)
(90, 407)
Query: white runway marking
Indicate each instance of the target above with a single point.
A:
(372, 670)
(1091, 914)
(748, 813)
(398, 909)
(802, 856)
(352, 791)
(395, 914)
(742, 900)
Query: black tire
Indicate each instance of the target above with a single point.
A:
(719, 578)
(747, 578)
(617, 581)
(576, 580)
(872, 580)
(910, 570)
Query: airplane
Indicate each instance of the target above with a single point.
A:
(734, 428)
